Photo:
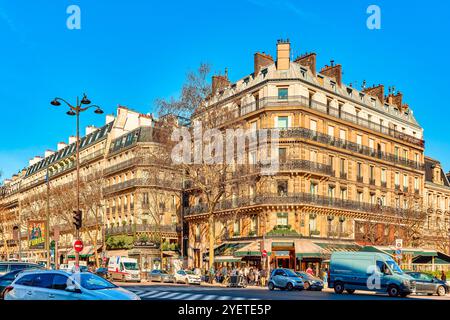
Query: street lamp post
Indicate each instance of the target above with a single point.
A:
(81, 106)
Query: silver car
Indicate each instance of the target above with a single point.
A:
(63, 285)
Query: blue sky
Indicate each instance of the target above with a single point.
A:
(132, 52)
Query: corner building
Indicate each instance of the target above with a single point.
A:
(351, 167)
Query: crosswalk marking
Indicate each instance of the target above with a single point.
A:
(170, 295)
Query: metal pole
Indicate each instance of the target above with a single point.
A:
(182, 220)
(47, 223)
(77, 233)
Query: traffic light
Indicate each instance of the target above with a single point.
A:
(77, 218)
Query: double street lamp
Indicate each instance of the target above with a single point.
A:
(74, 110)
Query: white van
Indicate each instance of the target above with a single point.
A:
(123, 268)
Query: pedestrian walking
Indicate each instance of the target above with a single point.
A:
(325, 278)
(310, 271)
(443, 276)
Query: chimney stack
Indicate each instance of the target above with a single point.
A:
(219, 82)
(90, 129)
(109, 118)
(261, 60)
(308, 60)
(333, 71)
(48, 153)
(376, 91)
(72, 139)
(283, 54)
(35, 160)
(61, 145)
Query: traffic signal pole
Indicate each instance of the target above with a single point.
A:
(77, 232)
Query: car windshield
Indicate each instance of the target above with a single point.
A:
(290, 273)
(394, 266)
(92, 282)
(131, 265)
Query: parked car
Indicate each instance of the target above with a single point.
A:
(102, 272)
(285, 279)
(124, 269)
(62, 285)
(310, 282)
(187, 277)
(428, 284)
(7, 279)
(6, 267)
(368, 271)
(161, 276)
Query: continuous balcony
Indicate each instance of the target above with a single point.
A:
(132, 229)
(302, 199)
(323, 108)
(142, 182)
(296, 132)
(298, 165)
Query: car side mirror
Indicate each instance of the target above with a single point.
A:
(73, 289)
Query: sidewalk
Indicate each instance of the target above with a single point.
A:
(203, 284)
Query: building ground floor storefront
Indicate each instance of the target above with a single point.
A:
(293, 253)
(301, 254)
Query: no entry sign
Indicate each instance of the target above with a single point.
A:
(264, 253)
(78, 245)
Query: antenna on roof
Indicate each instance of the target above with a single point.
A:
(364, 84)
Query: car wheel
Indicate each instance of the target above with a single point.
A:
(441, 291)
(307, 286)
(271, 286)
(393, 291)
(350, 291)
(339, 287)
(289, 286)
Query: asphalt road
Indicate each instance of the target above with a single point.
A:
(153, 291)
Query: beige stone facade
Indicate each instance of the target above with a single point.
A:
(124, 191)
(352, 169)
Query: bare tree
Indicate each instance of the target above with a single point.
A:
(209, 180)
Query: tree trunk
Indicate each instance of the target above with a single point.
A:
(211, 239)
(95, 249)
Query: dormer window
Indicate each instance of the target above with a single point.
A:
(373, 101)
(350, 91)
(333, 84)
(303, 72)
(264, 72)
(247, 80)
(361, 96)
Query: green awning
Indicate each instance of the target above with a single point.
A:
(252, 249)
(408, 251)
(282, 244)
(441, 258)
(226, 259)
(337, 247)
(308, 255)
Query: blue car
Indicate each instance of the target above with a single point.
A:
(285, 279)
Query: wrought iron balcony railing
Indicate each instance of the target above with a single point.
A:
(132, 229)
(296, 132)
(142, 182)
(301, 199)
(321, 107)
